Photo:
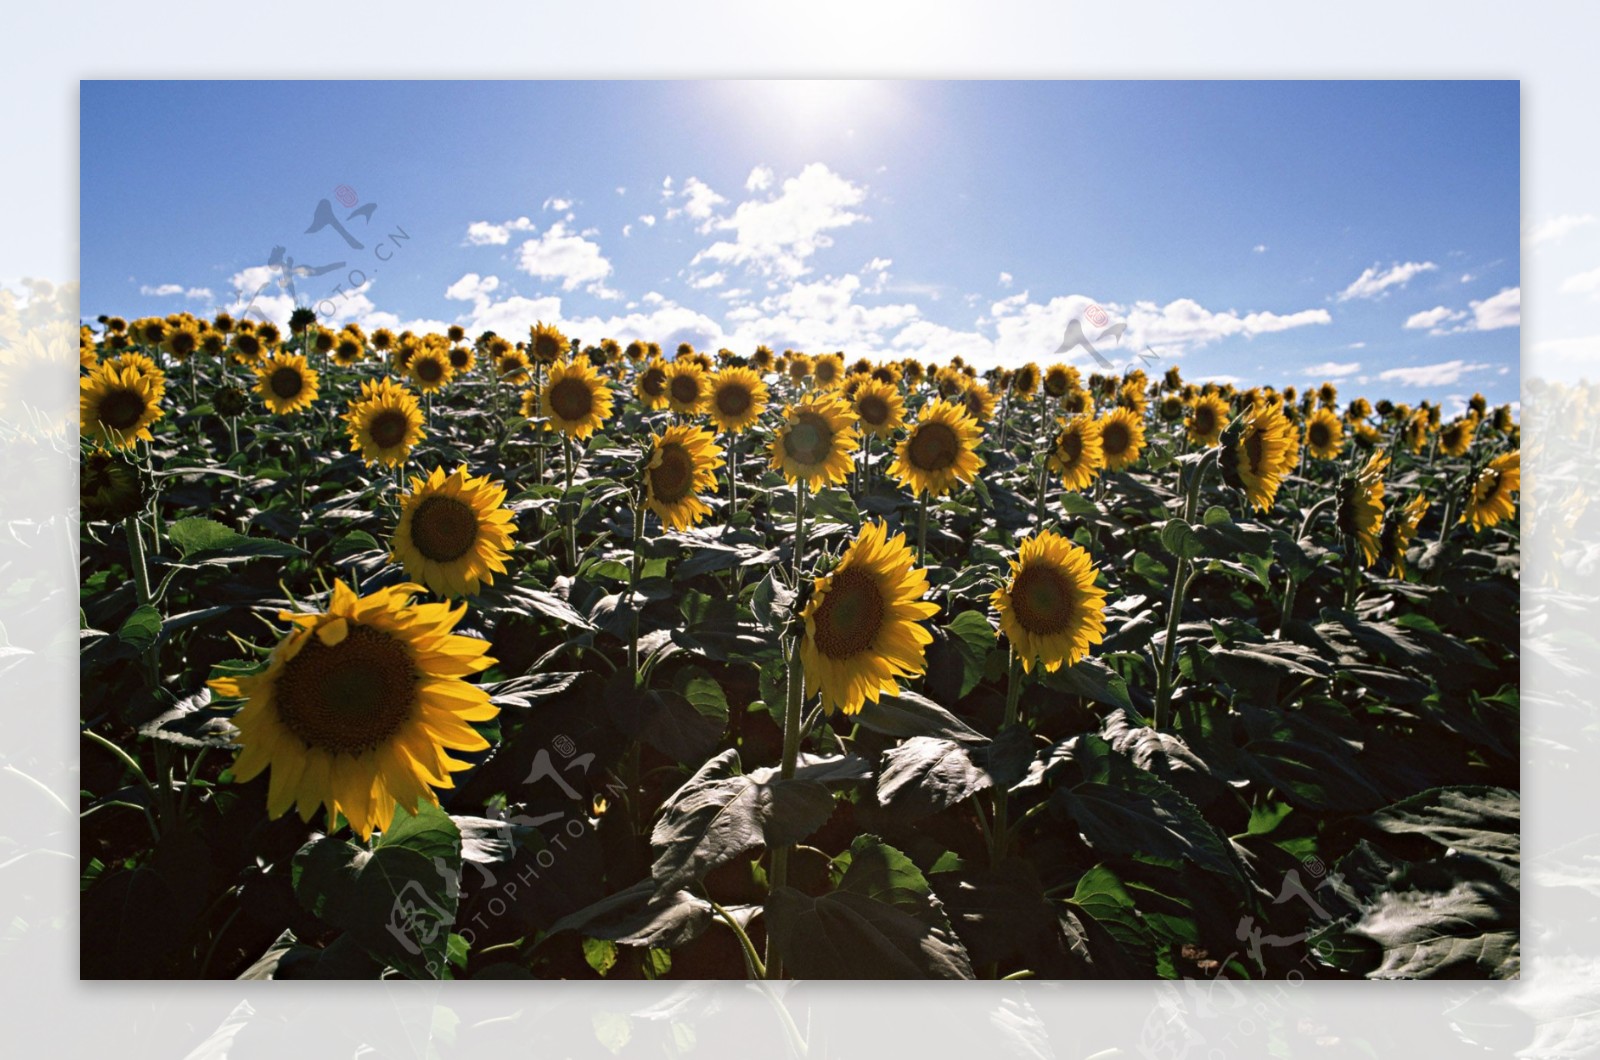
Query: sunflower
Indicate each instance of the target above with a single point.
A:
(247, 348)
(546, 344)
(738, 398)
(1360, 511)
(454, 531)
(1328, 395)
(1121, 438)
(144, 366)
(1489, 499)
(827, 369)
(816, 441)
(181, 342)
(686, 386)
(286, 383)
(1257, 453)
(940, 450)
(683, 463)
(1414, 434)
(512, 366)
(384, 422)
(651, 385)
(348, 349)
(1051, 610)
(979, 401)
(861, 623)
(358, 707)
(118, 405)
(1398, 532)
(799, 368)
(1076, 453)
(634, 351)
(1078, 401)
(462, 359)
(879, 408)
(1324, 434)
(1456, 438)
(429, 368)
(575, 400)
(109, 488)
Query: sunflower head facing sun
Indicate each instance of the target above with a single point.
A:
(1050, 609)
(1075, 453)
(1455, 438)
(1360, 511)
(1258, 453)
(651, 385)
(816, 441)
(117, 405)
(575, 400)
(1121, 438)
(686, 386)
(940, 451)
(683, 463)
(879, 408)
(1324, 434)
(737, 400)
(359, 706)
(546, 344)
(862, 623)
(430, 369)
(1398, 531)
(286, 383)
(1489, 497)
(454, 531)
(384, 422)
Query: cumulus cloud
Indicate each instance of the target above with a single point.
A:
(559, 254)
(486, 233)
(475, 289)
(170, 290)
(557, 204)
(1432, 318)
(1376, 280)
(760, 179)
(776, 235)
(1006, 279)
(1554, 228)
(1582, 283)
(1504, 310)
(1259, 248)
(1333, 369)
(1430, 375)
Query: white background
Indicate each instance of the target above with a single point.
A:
(1550, 47)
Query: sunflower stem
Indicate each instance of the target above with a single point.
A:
(733, 476)
(570, 529)
(136, 560)
(801, 488)
(922, 531)
(633, 585)
(999, 835)
(794, 700)
(1190, 479)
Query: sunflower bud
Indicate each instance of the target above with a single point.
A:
(1345, 514)
(1228, 458)
(110, 489)
(302, 318)
(230, 401)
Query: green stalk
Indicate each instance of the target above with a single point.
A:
(801, 488)
(633, 585)
(999, 837)
(922, 531)
(794, 698)
(1166, 678)
(141, 573)
(570, 530)
(733, 476)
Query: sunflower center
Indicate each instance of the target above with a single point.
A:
(1115, 438)
(1070, 447)
(1318, 434)
(350, 697)
(430, 370)
(873, 409)
(734, 400)
(810, 440)
(122, 409)
(850, 615)
(1042, 600)
(570, 399)
(653, 381)
(1255, 447)
(934, 447)
(673, 478)
(685, 389)
(286, 383)
(1205, 419)
(388, 428)
(458, 358)
(444, 528)
(826, 373)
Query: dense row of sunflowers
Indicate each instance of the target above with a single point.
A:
(372, 703)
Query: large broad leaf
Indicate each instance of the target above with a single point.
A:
(1101, 904)
(1003, 917)
(639, 917)
(204, 540)
(719, 814)
(1165, 755)
(1481, 821)
(925, 774)
(399, 899)
(1120, 809)
(909, 714)
(1310, 764)
(883, 922)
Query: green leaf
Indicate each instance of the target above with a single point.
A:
(973, 639)
(703, 692)
(600, 954)
(1178, 538)
(202, 540)
(910, 714)
(846, 935)
(141, 628)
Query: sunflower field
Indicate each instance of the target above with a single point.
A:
(449, 656)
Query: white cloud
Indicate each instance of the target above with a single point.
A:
(485, 233)
(1467, 277)
(1582, 283)
(558, 205)
(1333, 370)
(622, 191)
(169, 290)
(1259, 248)
(715, 279)
(1376, 280)
(777, 235)
(700, 201)
(1356, 346)
(627, 230)
(1432, 318)
(648, 219)
(1504, 310)
(475, 289)
(1555, 227)
(760, 179)
(1444, 373)
(558, 254)
(1006, 279)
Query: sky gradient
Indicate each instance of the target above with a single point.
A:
(1277, 232)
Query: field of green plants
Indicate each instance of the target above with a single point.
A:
(536, 656)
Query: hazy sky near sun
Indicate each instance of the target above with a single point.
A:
(1282, 232)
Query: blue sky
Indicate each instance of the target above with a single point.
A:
(1279, 232)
